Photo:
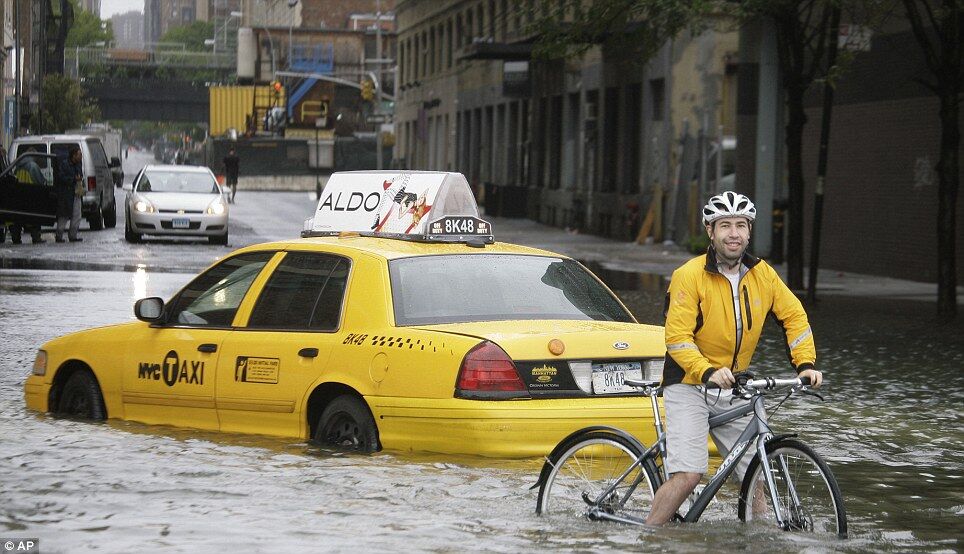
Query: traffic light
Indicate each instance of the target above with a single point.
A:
(367, 90)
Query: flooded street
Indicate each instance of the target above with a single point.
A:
(892, 430)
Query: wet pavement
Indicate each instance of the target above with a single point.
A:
(891, 427)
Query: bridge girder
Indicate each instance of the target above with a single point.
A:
(146, 100)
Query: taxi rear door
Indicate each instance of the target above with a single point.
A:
(274, 355)
(170, 369)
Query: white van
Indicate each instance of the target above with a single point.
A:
(99, 207)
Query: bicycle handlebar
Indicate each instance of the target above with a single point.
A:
(767, 383)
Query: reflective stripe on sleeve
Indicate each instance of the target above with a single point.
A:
(681, 346)
(796, 342)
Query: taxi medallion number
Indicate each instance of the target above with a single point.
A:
(611, 378)
(459, 225)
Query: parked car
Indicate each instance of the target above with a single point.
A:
(23, 200)
(111, 139)
(176, 200)
(396, 322)
(98, 205)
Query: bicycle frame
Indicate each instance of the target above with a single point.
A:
(757, 429)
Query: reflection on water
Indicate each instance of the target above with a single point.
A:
(891, 429)
(139, 281)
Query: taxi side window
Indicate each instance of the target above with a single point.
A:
(304, 292)
(212, 299)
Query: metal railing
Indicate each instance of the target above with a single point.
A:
(77, 59)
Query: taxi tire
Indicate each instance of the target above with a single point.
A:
(347, 423)
(81, 397)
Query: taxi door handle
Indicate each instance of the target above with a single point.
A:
(308, 352)
(207, 348)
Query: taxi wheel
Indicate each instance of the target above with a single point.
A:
(346, 423)
(81, 397)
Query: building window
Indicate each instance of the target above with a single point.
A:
(631, 153)
(611, 143)
(451, 46)
(657, 90)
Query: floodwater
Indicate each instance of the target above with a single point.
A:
(891, 429)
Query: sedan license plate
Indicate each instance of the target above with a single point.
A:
(611, 378)
(181, 223)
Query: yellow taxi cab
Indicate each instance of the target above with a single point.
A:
(395, 322)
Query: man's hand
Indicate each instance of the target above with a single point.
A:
(723, 378)
(816, 378)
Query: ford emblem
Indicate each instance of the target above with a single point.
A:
(620, 345)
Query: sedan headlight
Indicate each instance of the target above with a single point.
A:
(143, 206)
(216, 207)
(40, 363)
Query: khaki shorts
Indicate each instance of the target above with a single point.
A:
(688, 428)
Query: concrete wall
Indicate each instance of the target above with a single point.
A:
(880, 203)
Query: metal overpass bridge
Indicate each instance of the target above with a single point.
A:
(165, 84)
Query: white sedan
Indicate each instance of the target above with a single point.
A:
(176, 201)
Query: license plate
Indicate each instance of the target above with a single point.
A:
(611, 378)
(181, 223)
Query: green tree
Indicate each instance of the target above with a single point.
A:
(64, 106)
(191, 36)
(938, 27)
(88, 29)
(634, 28)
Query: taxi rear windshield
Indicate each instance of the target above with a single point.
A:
(494, 287)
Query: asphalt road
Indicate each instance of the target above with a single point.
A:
(255, 217)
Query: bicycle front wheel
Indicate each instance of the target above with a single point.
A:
(807, 493)
(596, 473)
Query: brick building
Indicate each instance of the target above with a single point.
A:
(588, 144)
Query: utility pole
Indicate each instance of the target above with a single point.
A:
(378, 82)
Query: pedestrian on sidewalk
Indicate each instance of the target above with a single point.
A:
(69, 184)
(231, 169)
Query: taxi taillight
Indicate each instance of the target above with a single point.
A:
(91, 183)
(488, 373)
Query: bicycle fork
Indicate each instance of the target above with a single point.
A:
(783, 520)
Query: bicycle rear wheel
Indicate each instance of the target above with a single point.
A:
(808, 495)
(584, 469)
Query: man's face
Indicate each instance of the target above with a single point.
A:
(76, 157)
(730, 237)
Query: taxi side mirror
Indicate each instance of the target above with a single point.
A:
(149, 309)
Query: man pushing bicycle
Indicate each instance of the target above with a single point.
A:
(716, 307)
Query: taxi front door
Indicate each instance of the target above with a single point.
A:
(274, 355)
(170, 376)
(171, 367)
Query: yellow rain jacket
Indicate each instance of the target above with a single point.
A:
(701, 325)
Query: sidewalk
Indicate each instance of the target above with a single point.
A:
(663, 260)
(251, 223)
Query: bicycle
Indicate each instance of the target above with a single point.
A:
(604, 473)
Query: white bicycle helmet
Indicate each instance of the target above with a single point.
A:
(728, 204)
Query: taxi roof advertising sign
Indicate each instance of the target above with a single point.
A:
(404, 204)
